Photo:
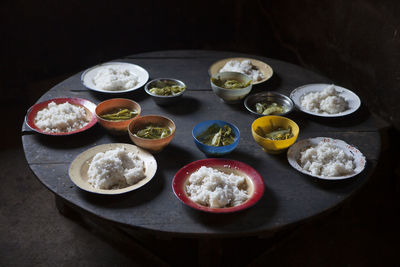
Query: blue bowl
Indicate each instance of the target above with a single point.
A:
(215, 151)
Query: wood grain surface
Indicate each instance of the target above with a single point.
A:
(290, 197)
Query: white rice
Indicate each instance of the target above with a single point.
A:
(244, 67)
(213, 188)
(115, 78)
(57, 118)
(327, 101)
(326, 160)
(115, 169)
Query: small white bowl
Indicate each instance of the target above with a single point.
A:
(230, 96)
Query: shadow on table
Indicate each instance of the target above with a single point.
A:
(270, 85)
(259, 214)
(173, 157)
(254, 162)
(131, 199)
(351, 120)
(340, 186)
(82, 139)
(185, 105)
(136, 95)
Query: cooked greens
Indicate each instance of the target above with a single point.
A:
(278, 133)
(230, 84)
(153, 132)
(119, 114)
(166, 88)
(269, 108)
(217, 136)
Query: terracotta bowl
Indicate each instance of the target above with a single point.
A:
(153, 145)
(116, 127)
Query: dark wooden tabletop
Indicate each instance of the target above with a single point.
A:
(290, 197)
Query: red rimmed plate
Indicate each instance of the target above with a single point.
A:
(86, 104)
(254, 181)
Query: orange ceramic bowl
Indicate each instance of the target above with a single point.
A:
(153, 145)
(116, 127)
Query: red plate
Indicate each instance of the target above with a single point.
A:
(179, 183)
(86, 104)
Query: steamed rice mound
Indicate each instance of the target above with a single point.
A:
(115, 169)
(213, 188)
(327, 101)
(57, 118)
(244, 67)
(326, 160)
(115, 78)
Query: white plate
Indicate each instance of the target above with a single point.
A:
(352, 99)
(80, 165)
(293, 156)
(88, 75)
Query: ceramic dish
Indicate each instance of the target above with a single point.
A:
(117, 127)
(269, 123)
(231, 96)
(351, 98)
(293, 156)
(86, 104)
(254, 180)
(263, 67)
(215, 151)
(152, 145)
(80, 165)
(88, 75)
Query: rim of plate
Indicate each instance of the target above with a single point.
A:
(293, 155)
(81, 162)
(182, 175)
(143, 78)
(298, 92)
(86, 104)
(265, 68)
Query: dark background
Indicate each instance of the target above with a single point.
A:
(354, 43)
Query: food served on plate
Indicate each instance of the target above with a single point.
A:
(217, 136)
(119, 114)
(216, 189)
(115, 169)
(326, 101)
(244, 67)
(152, 131)
(115, 78)
(266, 108)
(230, 83)
(166, 87)
(326, 159)
(58, 118)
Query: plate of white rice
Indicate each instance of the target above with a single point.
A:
(325, 100)
(61, 116)
(257, 70)
(112, 169)
(114, 77)
(218, 185)
(326, 158)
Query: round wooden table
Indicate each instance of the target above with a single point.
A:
(290, 197)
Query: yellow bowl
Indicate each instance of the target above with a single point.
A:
(269, 123)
